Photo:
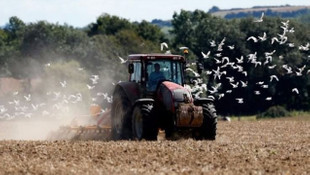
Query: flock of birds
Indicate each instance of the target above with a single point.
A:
(59, 102)
(225, 63)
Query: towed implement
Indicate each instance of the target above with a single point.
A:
(153, 99)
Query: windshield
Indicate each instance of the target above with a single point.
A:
(163, 70)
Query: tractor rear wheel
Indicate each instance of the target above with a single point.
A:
(208, 129)
(121, 116)
(143, 123)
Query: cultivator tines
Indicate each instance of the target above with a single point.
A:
(82, 133)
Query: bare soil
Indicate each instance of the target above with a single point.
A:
(241, 147)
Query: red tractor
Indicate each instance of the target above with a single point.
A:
(154, 98)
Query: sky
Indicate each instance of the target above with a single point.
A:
(80, 13)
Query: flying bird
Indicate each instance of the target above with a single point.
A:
(295, 90)
(260, 19)
(205, 56)
(163, 45)
(123, 61)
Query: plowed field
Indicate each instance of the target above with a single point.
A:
(241, 147)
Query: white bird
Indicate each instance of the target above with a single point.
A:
(231, 79)
(240, 61)
(260, 19)
(268, 98)
(272, 66)
(295, 90)
(245, 73)
(234, 85)
(47, 64)
(232, 47)
(221, 96)
(205, 56)
(217, 61)
(273, 77)
(260, 83)
(240, 100)
(257, 92)
(163, 45)
(191, 70)
(304, 48)
(285, 23)
(228, 91)
(287, 68)
(252, 38)
(63, 84)
(274, 39)
(244, 84)
(123, 61)
(183, 48)
(212, 43)
(215, 88)
(291, 45)
(15, 93)
(263, 38)
(28, 98)
(90, 87)
(220, 46)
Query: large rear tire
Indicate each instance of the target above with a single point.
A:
(144, 125)
(121, 116)
(208, 129)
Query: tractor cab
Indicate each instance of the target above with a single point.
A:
(150, 69)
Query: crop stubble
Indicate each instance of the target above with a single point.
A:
(257, 147)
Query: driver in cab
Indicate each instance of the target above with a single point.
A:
(155, 77)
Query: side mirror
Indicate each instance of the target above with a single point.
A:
(130, 68)
(199, 67)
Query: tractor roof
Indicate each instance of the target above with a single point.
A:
(155, 56)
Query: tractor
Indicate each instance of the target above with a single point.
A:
(155, 99)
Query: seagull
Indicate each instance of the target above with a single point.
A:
(15, 93)
(183, 48)
(263, 38)
(205, 56)
(268, 98)
(63, 84)
(273, 77)
(291, 45)
(274, 39)
(272, 66)
(257, 92)
(231, 79)
(295, 90)
(47, 64)
(260, 19)
(240, 61)
(191, 70)
(231, 47)
(234, 85)
(240, 100)
(122, 60)
(215, 88)
(28, 98)
(163, 45)
(90, 87)
(288, 69)
(228, 91)
(252, 38)
(212, 43)
(244, 84)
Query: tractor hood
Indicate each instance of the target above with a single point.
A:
(171, 94)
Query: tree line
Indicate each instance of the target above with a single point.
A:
(25, 48)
